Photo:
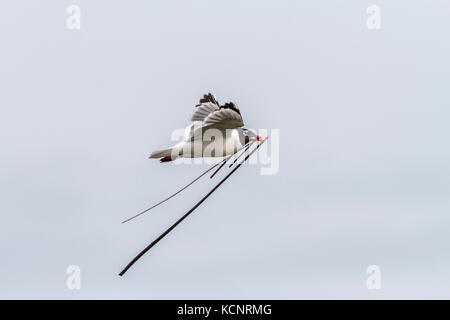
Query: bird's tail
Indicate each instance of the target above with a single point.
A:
(160, 153)
(164, 155)
(166, 159)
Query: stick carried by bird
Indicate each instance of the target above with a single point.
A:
(208, 115)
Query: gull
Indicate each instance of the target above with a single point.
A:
(228, 138)
(216, 131)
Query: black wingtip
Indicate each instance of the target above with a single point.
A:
(165, 159)
(209, 97)
(231, 106)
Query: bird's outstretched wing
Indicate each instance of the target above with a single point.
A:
(212, 114)
(207, 105)
(227, 117)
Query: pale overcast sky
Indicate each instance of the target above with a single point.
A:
(364, 173)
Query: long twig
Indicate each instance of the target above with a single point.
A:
(246, 148)
(220, 167)
(173, 195)
(188, 213)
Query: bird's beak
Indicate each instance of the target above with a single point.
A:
(262, 139)
(258, 138)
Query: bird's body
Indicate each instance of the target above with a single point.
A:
(216, 131)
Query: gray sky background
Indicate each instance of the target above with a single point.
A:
(364, 149)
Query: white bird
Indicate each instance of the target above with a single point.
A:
(216, 131)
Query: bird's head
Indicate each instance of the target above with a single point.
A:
(251, 135)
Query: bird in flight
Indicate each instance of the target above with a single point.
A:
(216, 131)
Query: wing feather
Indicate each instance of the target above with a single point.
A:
(203, 110)
(207, 105)
(209, 97)
(213, 115)
(227, 117)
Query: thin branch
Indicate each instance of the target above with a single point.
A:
(248, 146)
(188, 213)
(223, 161)
(220, 167)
